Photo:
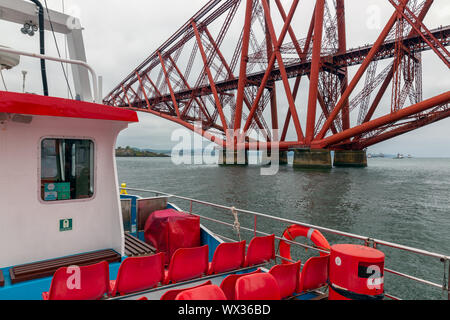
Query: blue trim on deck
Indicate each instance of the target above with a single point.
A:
(170, 206)
(140, 236)
(306, 296)
(206, 238)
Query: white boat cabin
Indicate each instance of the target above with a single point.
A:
(59, 190)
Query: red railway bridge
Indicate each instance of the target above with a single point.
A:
(237, 67)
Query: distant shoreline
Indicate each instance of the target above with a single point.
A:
(129, 152)
(159, 156)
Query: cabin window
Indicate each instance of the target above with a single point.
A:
(67, 169)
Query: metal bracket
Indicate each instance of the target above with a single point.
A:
(369, 242)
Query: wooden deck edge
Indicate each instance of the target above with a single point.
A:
(45, 271)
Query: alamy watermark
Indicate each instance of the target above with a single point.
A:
(74, 280)
(376, 280)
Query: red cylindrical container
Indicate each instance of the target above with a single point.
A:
(356, 273)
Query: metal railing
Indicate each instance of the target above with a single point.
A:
(367, 241)
(95, 80)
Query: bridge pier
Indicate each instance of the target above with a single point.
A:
(350, 158)
(233, 158)
(312, 159)
(283, 158)
(266, 159)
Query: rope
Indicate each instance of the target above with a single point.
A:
(291, 238)
(236, 224)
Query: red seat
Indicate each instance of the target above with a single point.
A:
(260, 250)
(314, 274)
(172, 294)
(287, 276)
(228, 284)
(261, 286)
(228, 256)
(209, 292)
(188, 263)
(79, 283)
(139, 273)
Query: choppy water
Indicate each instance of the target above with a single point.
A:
(403, 201)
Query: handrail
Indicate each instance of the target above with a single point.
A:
(96, 97)
(367, 240)
(327, 230)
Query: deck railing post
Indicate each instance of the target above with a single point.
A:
(448, 281)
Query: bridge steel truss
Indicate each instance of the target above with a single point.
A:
(232, 64)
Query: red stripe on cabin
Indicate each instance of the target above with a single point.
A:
(31, 104)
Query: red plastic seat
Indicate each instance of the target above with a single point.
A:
(209, 292)
(228, 284)
(188, 263)
(139, 273)
(314, 274)
(260, 250)
(172, 294)
(79, 283)
(287, 276)
(261, 286)
(228, 256)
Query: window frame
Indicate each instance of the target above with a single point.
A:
(39, 171)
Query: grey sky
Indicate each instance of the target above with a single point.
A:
(119, 35)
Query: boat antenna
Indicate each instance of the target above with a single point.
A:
(24, 73)
(3, 79)
(42, 45)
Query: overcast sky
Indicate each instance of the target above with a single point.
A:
(120, 34)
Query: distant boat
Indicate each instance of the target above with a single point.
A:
(409, 156)
(399, 156)
(379, 155)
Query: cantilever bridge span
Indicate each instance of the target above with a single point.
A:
(272, 71)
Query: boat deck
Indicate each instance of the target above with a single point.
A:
(32, 289)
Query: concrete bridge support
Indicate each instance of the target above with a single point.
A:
(303, 158)
(350, 158)
(283, 158)
(312, 159)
